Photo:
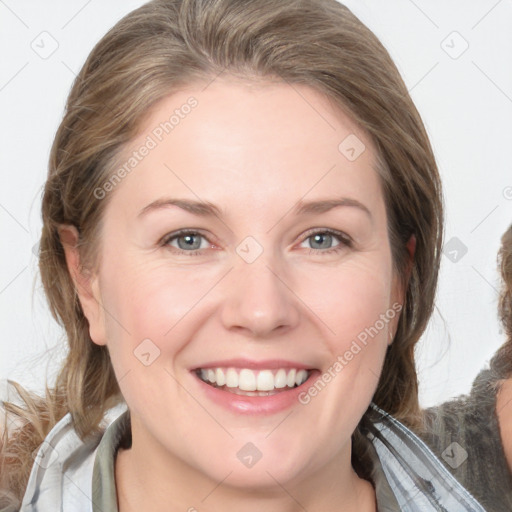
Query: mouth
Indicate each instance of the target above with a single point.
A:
(249, 387)
(253, 382)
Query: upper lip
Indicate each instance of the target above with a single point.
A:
(269, 364)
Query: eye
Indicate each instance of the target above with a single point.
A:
(188, 241)
(322, 241)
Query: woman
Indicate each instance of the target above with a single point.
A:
(473, 434)
(206, 149)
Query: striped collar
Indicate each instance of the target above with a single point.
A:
(69, 474)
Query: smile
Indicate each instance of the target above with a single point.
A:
(245, 381)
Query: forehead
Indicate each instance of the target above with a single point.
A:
(234, 141)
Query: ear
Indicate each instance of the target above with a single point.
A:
(411, 248)
(400, 291)
(86, 284)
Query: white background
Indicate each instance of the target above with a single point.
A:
(465, 102)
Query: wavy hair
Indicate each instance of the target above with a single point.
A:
(161, 48)
(501, 362)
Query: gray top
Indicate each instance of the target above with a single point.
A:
(464, 434)
(70, 475)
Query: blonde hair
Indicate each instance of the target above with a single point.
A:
(162, 47)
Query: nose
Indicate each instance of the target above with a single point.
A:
(259, 300)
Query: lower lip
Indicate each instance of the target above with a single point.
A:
(255, 404)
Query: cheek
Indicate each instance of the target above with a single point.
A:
(150, 300)
(357, 312)
(358, 315)
(149, 310)
(353, 299)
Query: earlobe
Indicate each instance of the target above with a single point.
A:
(85, 283)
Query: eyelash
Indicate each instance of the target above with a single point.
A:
(345, 241)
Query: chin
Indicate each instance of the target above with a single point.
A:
(253, 470)
(262, 480)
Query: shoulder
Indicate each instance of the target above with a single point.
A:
(464, 433)
(411, 469)
(63, 458)
(63, 469)
(465, 419)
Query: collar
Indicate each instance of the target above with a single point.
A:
(69, 474)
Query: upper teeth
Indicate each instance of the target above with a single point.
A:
(249, 380)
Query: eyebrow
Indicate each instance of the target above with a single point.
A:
(207, 209)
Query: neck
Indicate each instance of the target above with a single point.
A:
(162, 483)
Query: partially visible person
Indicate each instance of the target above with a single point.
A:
(473, 433)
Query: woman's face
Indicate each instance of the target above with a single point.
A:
(272, 283)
